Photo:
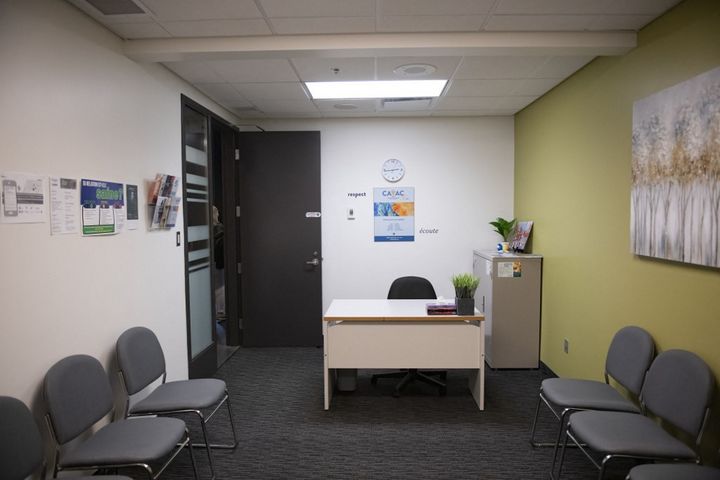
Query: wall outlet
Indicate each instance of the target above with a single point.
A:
(566, 345)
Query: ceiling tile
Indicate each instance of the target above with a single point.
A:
(430, 23)
(171, 10)
(498, 67)
(363, 106)
(271, 91)
(254, 70)
(318, 8)
(131, 31)
(111, 19)
(642, 7)
(248, 112)
(465, 103)
(560, 67)
(619, 22)
(445, 67)
(534, 86)
(515, 102)
(218, 28)
(312, 69)
(194, 72)
(318, 25)
(549, 7)
(480, 112)
(537, 23)
(223, 93)
(482, 88)
(434, 7)
(286, 106)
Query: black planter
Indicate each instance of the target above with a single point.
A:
(465, 306)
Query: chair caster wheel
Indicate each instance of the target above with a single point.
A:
(373, 381)
(396, 394)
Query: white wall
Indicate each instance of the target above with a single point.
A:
(71, 104)
(462, 171)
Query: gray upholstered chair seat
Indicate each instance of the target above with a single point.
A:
(127, 442)
(673, 471)
(585, 394)
(633, 435)
(192, 394)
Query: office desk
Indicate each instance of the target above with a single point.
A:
(400, 334)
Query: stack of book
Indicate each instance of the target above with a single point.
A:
(441, 308)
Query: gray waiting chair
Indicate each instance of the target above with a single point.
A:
(678, 390)
(629, 356)
(673, 471)
(409, 288)
(21, 448)
(77, 393)
(142, 362)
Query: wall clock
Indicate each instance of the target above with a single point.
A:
(393, 170)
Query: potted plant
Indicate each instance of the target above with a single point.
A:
(465, 285)
(505, 229)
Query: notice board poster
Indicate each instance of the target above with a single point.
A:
(103, 207)
(394, 214)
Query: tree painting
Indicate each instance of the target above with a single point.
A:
(675, 200)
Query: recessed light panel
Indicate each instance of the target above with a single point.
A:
(376, 89)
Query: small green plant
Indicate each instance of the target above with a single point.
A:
(504, 227)
(465, 285)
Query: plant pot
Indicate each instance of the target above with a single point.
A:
(465, 306)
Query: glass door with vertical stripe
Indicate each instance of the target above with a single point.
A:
(198, 244)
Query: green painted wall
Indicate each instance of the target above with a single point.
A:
(572, 167)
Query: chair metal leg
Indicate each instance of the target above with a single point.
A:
(232, 422)
(207, 443)
(534, 423)
(562, 460)
(192, 458)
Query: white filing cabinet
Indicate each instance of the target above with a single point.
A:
(509, 296)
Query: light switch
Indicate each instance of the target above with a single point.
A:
(351, 213)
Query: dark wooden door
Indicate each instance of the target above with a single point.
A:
(280, 237)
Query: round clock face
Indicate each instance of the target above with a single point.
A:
(393, 170)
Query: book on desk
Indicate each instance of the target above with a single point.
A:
(441, 308)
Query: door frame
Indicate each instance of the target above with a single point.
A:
(205, 363)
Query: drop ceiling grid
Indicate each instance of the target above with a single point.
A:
(490, 85)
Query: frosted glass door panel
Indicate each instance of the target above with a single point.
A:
(200, 310)
(198, 236)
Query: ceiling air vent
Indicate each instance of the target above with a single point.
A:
(116, 7)
(406, 104)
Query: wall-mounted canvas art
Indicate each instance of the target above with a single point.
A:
(675, 200)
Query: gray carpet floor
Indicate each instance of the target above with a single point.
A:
(284, 433)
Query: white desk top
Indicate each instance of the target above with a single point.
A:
(389, 311)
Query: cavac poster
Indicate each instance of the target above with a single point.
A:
(394, 214)
(103, 207)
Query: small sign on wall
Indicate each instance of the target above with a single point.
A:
(394, 214)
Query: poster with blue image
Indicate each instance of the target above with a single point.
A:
(394, 214)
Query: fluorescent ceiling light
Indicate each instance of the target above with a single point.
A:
(376, 89)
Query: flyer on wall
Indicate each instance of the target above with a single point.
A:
(131, 197)
(394, 214)
(64, 197)
(23, 198)
(103, 207)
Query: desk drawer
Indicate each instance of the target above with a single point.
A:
(404, 345)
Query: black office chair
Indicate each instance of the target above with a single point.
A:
(409, 288)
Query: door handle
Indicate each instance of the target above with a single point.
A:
(314, 262)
